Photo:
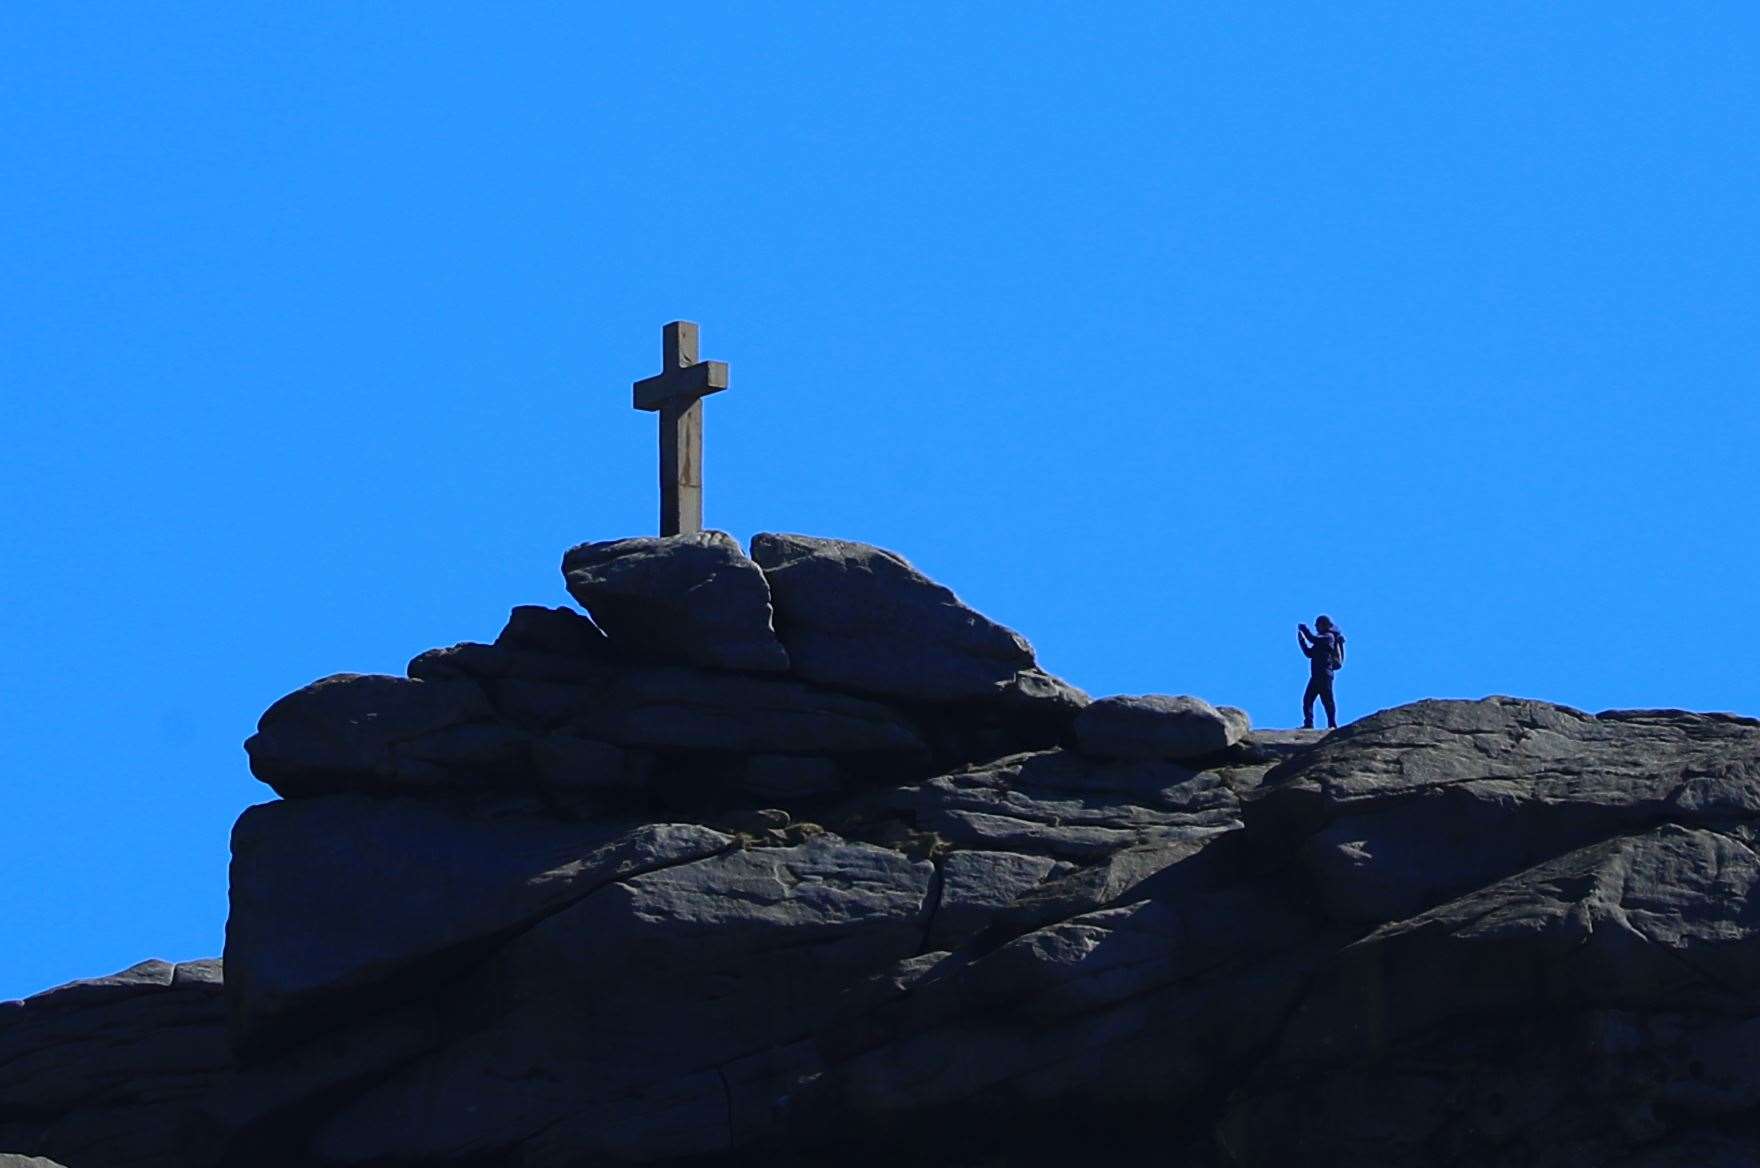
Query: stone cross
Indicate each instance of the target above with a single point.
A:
(677, 394)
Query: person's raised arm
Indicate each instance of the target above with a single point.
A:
(1304, 640)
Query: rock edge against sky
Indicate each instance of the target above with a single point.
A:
(792, 856)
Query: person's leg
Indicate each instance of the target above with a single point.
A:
(1308, 696)
(1331, 706)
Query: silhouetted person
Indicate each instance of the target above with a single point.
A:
(1324, 649)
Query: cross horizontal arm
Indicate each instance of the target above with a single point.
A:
(689, 383)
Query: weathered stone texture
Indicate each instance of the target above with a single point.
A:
(872, 888)
(1158, 726)
(860, 618)
(353, 730)
(692, 599)
(117, 1070)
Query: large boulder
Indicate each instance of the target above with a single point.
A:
(662, 1016)
(553, 632)
(343, 904)
(859, 618)
(356, 731)
(1414, 805)
(691, 599)
(467, 725)
(537, 645)
(116, 1070)
(1601, 999)
(1158, 726)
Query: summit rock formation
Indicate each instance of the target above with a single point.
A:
(792, 857)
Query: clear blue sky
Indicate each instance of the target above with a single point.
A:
(1151, 329)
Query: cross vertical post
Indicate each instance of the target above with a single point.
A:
(681, 466)
(677, 394)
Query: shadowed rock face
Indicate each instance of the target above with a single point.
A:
(1413, 805)
(338, 902)
(1158, 726)
(353, 730)
(860, 618)
(116, 1070)
(554, 901)
(694, 598)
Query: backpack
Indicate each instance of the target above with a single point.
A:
(1337, 650)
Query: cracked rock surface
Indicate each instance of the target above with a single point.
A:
(115, 1070)
(695, 598)
(823, 895)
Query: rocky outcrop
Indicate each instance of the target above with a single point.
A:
(1415, 805)
(860, 618)
(353, 731)
(1447, 1036)
(576, 898)
(117, 1070)
(693, 598)
(1594, 1003)
(656, 1018)
(686, 683)
(338, 902)
(1158, 726)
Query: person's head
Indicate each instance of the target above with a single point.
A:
(1323, 623)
